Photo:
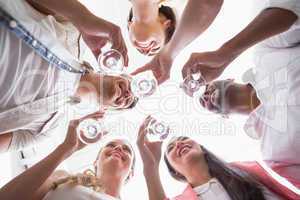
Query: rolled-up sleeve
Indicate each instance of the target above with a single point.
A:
(292, 5)
(24, 138)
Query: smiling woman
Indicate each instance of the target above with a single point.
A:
(114, 166)
(151, 25)
(115, 159)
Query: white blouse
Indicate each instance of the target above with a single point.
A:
(67, 192)
(213, 189)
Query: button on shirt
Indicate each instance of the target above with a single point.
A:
(276, 79)
(31, 90)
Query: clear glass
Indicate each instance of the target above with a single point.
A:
(90, 131)
(194, 86)
(157, 130)
(144, 84)
(111, 61)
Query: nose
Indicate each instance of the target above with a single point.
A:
(118, 148)
(179, 143)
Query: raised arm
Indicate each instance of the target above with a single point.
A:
(95, 31)
(151, 154)
(34, 183)
(196, 18)
(268, 23)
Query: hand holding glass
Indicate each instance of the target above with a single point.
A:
(90, 131)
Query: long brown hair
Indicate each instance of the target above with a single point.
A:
(238, 184)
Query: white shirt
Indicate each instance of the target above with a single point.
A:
(213, 189)
(276, 79)
(32, 91)
(78, 192)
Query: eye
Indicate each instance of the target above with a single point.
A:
(112, 145)
(170, 148)
(127, 149)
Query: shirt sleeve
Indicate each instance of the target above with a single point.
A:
(24, 138)
(292, 5)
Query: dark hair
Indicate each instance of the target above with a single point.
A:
(239, 184)
(169, 14)
(133, 104)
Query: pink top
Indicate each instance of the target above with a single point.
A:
(261, 175)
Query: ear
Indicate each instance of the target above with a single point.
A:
(167, 23)
(131, 173)
(129, 24)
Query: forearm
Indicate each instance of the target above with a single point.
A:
(197, 16)
(29, 182)
(155, 188)
(5, 141)
(268, 23)
(72, 10)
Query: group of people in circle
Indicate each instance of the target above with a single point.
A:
(33, 92)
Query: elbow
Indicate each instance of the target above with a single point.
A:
(217, 4)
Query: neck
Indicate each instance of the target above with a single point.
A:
(244, 99)
(111, 184)
(88, 86)
(198, 174)
(145, 10)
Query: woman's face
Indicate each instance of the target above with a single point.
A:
(182, 152)
(116, 92)
(148, 38)
(116, 155)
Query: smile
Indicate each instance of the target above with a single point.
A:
(183, 150)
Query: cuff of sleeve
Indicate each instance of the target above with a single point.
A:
(20, 140)
(292, 5)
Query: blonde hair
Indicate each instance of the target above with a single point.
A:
(87, 179)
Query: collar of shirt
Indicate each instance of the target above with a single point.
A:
(213, 189)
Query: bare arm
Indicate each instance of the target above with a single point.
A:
(197, 16)
(95, 31)
(35, 182)
(72, 10)
(268, 23)
(26, 185)
(5, 140)
(151, 154)
(155, 188)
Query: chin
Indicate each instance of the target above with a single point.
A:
(192, 156)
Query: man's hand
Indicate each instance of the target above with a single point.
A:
(210, 64)
(160, 65)
(96, 32)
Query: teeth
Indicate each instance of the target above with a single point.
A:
(183, 149)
